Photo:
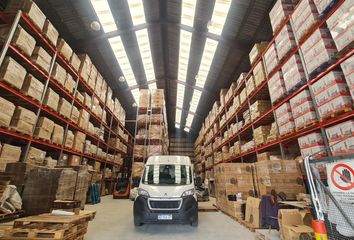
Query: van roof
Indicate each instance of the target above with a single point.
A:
(168, 159)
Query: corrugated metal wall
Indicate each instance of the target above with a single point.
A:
(182, 145)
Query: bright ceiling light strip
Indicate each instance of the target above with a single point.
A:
(152, 86)
(207, 59)
(177, 125)
(180, 95)
(137, 13)
(218, 19)
(189, 120)
(178, 115)
(136, 94)
(187, 129)
(184, 50)
(195, 100)
(122, 58)
(188, 12)
(104, 14)
(145, 52)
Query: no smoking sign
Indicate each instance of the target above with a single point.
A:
(340, 177)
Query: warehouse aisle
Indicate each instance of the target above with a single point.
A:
(114, 220)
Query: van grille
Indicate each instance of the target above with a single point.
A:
(165, 204)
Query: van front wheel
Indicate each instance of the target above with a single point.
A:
(137, 223)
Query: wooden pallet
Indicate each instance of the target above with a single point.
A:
(345, 50)
(206, 207)
(307, 125)
(14, 129)
(335, 114)
(248, 225)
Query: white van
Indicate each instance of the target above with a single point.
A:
(166, 192)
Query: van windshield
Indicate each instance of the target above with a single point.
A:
(167, 175)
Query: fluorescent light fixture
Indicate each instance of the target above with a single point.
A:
(178, 115)
(195, 100)
(104, 14)
(137, 13)
(184, 51)
(189, 120)
(123, 61)
(180, 95)
(218, 19)
(145, 52)
(177, 125)
(136, 93)
(187, 129)
(188, 12)
(207, 59)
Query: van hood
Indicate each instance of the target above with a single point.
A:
(166, 191)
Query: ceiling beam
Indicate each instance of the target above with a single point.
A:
(164, 23)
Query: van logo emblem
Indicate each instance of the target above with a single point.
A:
(165, 194)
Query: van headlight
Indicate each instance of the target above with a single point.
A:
(143, 192)
(189, 192)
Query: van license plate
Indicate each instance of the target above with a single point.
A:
(164, 217)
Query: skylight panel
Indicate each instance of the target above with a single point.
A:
(152, 86)
(123, 61)
(195, 100)
(218, 19)
(187, 129)
(145, 52)
(178, 115)
(180, 95)
(184, 51)
(189, 120)
(137, 13)
(207, 59)
(104, 14)
(188, 12)
(177, 125)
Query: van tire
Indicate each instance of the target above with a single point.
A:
(194, 223)
(137, 223)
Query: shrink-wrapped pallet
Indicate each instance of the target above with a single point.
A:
(276, 86)
(32, 87)
(6, 113)
(9, 154)
(137, 169)
(69, 141)
(64, 108)
(21, 39)
(51, 99)
(64, 49)
(23, 120)
(79, 141)
(35, 156)
(281, 10)
(41, 58)
(285, 41)
(69, 83)
(12, 73)
(257, 51)
(84, 118)
(31, 10)
(59, 73)
(348, 70)
(44, 129)
(50, 32)
(57, 135)
(305, 16)
(271, 58)
(75, 61)
(75, 115)
(85, 66)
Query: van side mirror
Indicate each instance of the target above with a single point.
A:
(198, 181)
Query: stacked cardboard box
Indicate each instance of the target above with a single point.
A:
(331, 94)
(41, 58)
(33, 87)
(137, 169)
(21, 39)
(285, 41)
(69, 141)
(257, 51)
(9, 154)
(35, 156)
(303, 110)
(258, 108)
(250, 86)
(285, 119)
(50, 32)
(64, 108)
(348, 70)
(312, 145)
(51, 99)
(273, 134)
(79, 141)
(260, 134)
(85, 67)
(69, 83)
(12, 73)
(276, 86)
(281, 176)
(44, 129)
(59, 73)
(304, 18)
(259, 73)
(341, 138)
(281, 10)
(144, 98)
(6, 113)
(64, 49)
(23, 120)
(293, 73)
(57, 135)
(271, 58)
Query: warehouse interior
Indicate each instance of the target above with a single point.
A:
(150, 119)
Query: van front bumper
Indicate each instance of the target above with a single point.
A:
(187, 213)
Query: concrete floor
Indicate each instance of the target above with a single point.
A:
(114, 220)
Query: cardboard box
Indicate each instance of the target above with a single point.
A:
(257, 51)
(64, 49)
(75, 115)
(59, 73)
(30, 9)
(51, 99)
(280, 11)
(33, 87)
(9, 154)
(253, 212)
(57, 135)
(35, 156)
(271, 59)
(261, 134)
(41, 58)
(44, 129)
(144, 98)
(50, 32)
(12, 73)
(70, 83)
(291, 224)
(85, 66)
(137, 169)
(21, 39)
(6, 113)
(84, 118)
(64, 108)
(259, 73)
(79, 141)
(69, 141)
(49, 162)
(74, 160)
(75, 61)
(23, 120)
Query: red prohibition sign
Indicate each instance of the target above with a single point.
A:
(334, 170)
